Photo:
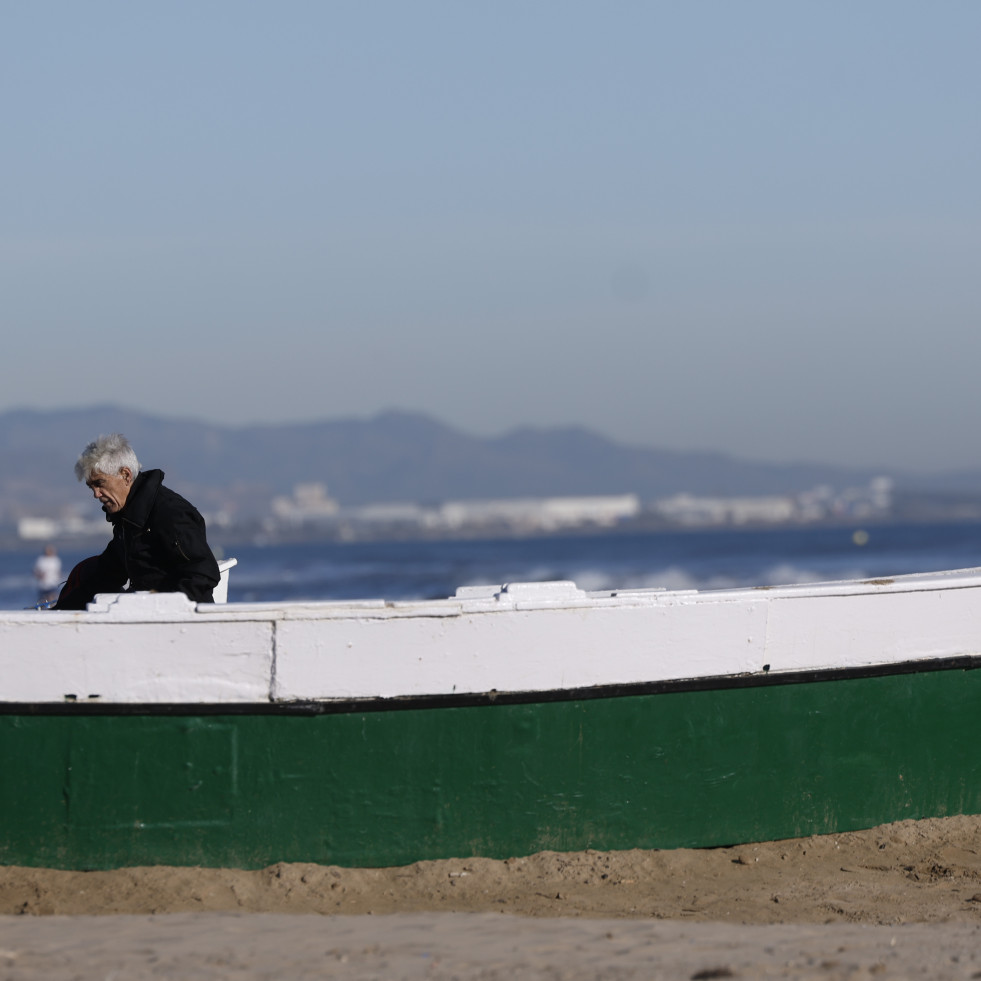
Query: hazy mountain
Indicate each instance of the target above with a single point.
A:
(394, 456)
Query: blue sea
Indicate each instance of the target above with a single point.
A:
(691, 559)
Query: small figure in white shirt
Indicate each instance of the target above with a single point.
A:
(47, 572)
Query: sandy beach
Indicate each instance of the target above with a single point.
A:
(901, 900)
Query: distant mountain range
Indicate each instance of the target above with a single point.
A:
(393, 456)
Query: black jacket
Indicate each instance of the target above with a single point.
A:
(158, 543)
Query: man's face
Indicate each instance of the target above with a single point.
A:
(111, 492)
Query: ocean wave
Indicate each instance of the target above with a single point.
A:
(428, 570)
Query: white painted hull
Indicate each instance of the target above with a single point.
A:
(520, 638)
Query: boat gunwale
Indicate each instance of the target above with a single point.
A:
(111, 611)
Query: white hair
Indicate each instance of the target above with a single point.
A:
(107, 455)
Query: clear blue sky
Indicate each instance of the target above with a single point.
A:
(745, 226)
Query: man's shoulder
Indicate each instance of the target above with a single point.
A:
(170, 501)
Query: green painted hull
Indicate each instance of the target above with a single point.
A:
(399, 784)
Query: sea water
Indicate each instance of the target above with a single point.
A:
(704, 559)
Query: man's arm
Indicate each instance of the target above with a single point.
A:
(97, 574)
(193, 569)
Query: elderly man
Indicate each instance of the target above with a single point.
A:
(158, 539)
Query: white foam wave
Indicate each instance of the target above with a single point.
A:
(786, 574)
(678, 577)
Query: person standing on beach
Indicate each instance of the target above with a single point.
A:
(159, 542)
(47, 572)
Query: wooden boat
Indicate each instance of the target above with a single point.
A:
(503, 720)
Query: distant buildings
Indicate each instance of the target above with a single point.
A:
(311, 512)
(52, 529)
(309, 503)
(311, 507)
(689, 511)
(537, 514)
(872, 502)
